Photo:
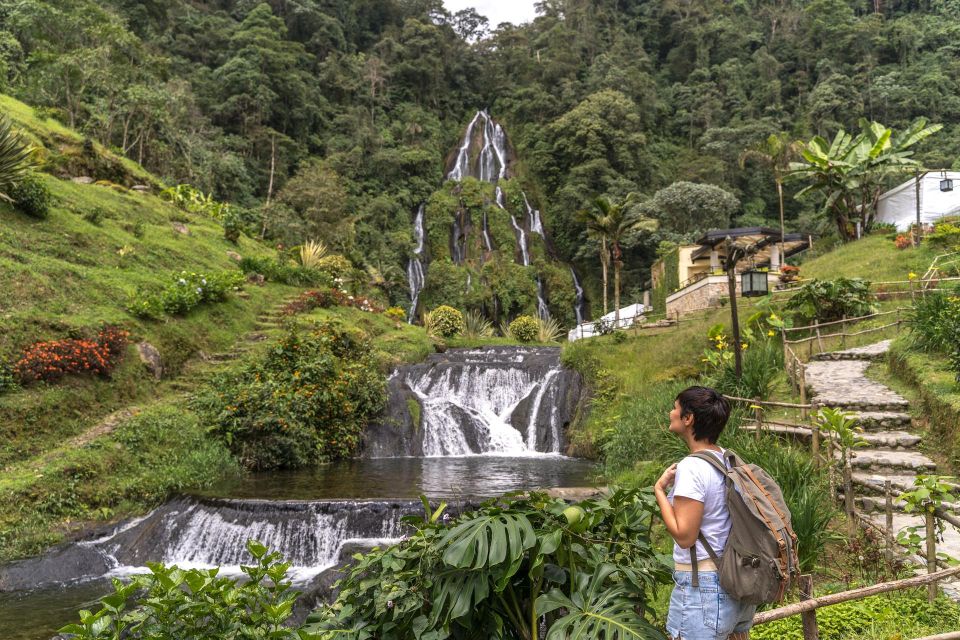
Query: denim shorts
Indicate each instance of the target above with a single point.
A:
(705, 612)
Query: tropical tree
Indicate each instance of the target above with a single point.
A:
(776, 152)
(612, 224)
(849, 172)
(14, 157)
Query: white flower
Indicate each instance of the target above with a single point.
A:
(181, 282)
(203, 280)
(199, 290)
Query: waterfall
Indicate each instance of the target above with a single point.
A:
(486, 233)
(580, 302)
(533, 216)
(522, 239)
(501, 199)
(487, 401)
(415, 270)
(461, 168)
(542, 309)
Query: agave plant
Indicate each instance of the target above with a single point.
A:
(476, 326)
(549, 330)
(14, 157)
(311, 253)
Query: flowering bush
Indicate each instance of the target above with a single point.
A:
(525, 328)
(396, 313)
(902, 241)
(51, 361)
(307, 401)
(284, 271)
(325, 298)
(446, 322)
(187, 290)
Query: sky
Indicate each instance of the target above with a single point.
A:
(497, 11)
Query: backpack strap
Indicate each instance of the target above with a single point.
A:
(694, 575)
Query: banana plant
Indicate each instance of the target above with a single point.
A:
(849, 171)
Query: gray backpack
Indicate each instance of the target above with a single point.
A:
(760, 559)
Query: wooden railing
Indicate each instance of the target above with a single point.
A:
(817, 336)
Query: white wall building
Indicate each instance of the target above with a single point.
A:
(899, 205)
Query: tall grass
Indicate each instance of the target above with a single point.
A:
(762, 366)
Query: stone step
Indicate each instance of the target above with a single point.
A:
(255, 337)
(891, 439)
(221, 357)
(876, 351)
(865, 405)
(873, 483)
(267, 326)
(883, 420)
(887, 459)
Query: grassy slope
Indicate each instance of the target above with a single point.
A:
(64, 277)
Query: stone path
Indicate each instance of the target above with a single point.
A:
(838, 379)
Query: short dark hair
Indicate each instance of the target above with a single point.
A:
(710, 411)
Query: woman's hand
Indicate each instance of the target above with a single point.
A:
(667, 478)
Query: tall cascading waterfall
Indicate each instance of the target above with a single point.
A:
(416, 273)
(494, 401)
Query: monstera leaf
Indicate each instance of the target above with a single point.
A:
(599, 608)
(488, 541)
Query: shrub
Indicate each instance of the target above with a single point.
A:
(828, 300)
(8, 382)
(396, 313)
(325, 298)
(945, 234)
(31, 196)
(50, 361)
(307, 401)
(525, 328)
(903, 241)
(446, 322)
(336, 266)
(232, 225)
(170, 602)
(95, 215)
(186, 291)
(934, 325)
(284, 272)
(882, 228)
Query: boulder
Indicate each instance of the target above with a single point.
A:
(181, 228)
(233, 255)
(256, 278)
(140, 188)
(83, 180)
(150, 356)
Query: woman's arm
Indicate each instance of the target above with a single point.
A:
(684, 516)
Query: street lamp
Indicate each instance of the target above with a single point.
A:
(946, 184)
(753, 284)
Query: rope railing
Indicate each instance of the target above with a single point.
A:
(820, 325)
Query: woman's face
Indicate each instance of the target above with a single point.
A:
(679, 424)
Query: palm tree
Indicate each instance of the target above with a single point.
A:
(612, 224)
(596, 221)
(14, 157)
(776, 152)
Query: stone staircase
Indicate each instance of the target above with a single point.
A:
(838, 379)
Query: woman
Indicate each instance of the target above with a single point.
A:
(695, 506)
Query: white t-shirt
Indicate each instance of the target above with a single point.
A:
(699, 480)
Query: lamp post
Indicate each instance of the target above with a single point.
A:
(946, 184)
(734, 253)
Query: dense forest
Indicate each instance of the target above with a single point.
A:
(336, 119)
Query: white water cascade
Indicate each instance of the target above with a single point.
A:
(495, 402)
(416, 273)
(578, 307)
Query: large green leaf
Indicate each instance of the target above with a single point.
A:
(488, 541)
(610, 614)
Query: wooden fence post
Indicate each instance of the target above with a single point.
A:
(888, 534)
(809, 618)
(758, 416)
(843, 332)
(848, 503)
(931, 554)
(819, 340)
(815, 440)
(803, 390)
(830, 474)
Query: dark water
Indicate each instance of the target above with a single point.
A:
(37, 615)
(408, 478)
